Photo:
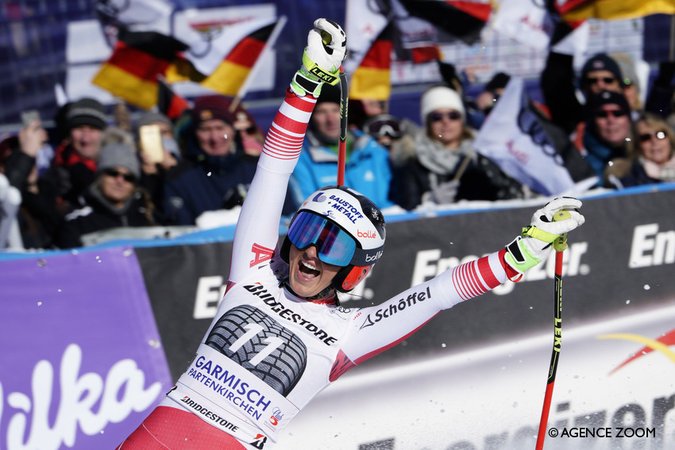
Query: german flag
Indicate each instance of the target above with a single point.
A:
(231, 74)
(372, 79)
(169, 103)
(615, 10)
(138, 59)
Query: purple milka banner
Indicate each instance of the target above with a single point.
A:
(81, 360)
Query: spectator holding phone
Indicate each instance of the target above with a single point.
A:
(23, 156)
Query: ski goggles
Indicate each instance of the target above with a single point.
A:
(333, 245)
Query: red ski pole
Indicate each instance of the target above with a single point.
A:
(559, 245)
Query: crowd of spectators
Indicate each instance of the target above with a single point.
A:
(95, 171)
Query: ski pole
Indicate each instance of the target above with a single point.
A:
(344, 91)
(342, 146)
(559, 245)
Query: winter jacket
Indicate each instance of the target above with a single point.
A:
(70, 173)
(97, 214)
(481, 180)
(206, 183)
(367, 169)
(598, 153)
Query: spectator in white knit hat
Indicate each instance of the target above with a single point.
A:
(113, 200)
(437, 163)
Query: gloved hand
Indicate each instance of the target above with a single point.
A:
(548, 224)
(443, 194)
(321, 60)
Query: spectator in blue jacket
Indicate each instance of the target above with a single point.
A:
(367, 167)
(608, 134)
(215, 172)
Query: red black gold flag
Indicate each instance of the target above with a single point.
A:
(231, 74)
(138, 59)
(372, 78)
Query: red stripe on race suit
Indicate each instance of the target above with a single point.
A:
(486, 271)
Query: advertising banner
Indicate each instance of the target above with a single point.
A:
(82, 362)
(185, 284)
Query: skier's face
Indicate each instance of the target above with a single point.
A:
(307, 274)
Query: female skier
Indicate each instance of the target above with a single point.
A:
(279, 336)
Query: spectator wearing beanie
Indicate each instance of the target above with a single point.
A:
(215, 172)
(438, 165)
(113, 200)
(609, 130)
(367, 167)
(559, 85)
(74, 164)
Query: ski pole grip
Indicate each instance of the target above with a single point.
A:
(560, 244)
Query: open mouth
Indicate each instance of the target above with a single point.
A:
(308, 269)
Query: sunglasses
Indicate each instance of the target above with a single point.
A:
(114, 173)
(614, 113)
(438, 116)
(596, 80)
(659, 135)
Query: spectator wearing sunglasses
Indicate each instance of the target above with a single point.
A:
(655, 162)
(367, 167)
(112, 200)
(437, 163)
(559, 85)
(608, 133)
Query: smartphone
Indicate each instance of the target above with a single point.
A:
(151, 143)
(28, 117)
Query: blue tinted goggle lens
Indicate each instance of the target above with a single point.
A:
(334, 246)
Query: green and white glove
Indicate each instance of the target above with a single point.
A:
(549, 225)
(321, 60)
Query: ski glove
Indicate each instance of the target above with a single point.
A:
(550, 223)
(321, 60)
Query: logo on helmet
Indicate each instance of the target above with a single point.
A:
(320, 197)
(366, 234)
(375, 257)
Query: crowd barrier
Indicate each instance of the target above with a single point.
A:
(91, 339)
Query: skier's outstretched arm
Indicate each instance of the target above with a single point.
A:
(380, 327)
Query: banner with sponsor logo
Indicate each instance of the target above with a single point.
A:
(185, 284)
(82, 361)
